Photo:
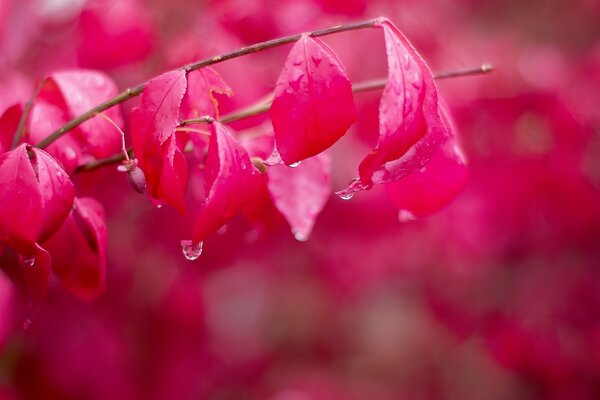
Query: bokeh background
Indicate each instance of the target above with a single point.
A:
(496, 296)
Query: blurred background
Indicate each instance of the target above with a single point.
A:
(496, 296)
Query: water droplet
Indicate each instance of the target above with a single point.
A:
(222, 230)
(159, 206)
(346, 195)
(299, 236)
(423, 169)
(295, 165)
(406, 216)
(28, 261)
(191, 251)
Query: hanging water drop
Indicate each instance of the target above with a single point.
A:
(299, 236)
(345, 195)
(406, 216)
(295, 165)
(191, 251)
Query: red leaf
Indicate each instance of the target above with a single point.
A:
(410, 126)
(312, 105)
(44, 119)
(75, 92)
(7, 303)
(154, 140)
(200, 101)
(36, 269)
(301, 193)
(78, 249)
(8, 126)
(231, 181)
(424, 192)
(36, 196)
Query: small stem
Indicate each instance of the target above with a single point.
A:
(113, 123)
(192, 130)
(207, 119)
(264, 104)
(114, 159)
(132, 92)
(26, 110)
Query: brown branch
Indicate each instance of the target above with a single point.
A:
(264, 104)
(137, 90)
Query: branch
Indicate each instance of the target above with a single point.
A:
(137, 90)
(264, 104)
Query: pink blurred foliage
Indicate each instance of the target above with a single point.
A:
(495, 295)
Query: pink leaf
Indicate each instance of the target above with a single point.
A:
(44, 119)
(200, 101)
(312, 105)
(424, 192)
(410, 126)
(78, 249)
(301, 193)
(76, 91)
(7, 304)
(36, 270)
(36, 196)
(154, 141)
(9, 122)
(231, 181)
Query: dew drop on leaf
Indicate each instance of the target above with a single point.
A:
(406, 216)
(345, 194)
(299, 236)
(191, 251)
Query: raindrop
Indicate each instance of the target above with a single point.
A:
(294, 165)
(299, 236)
(406, 216)
(191, 251)
(345, 195)
(222, 230)
(159, 206)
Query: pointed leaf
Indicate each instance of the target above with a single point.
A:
(300, 193)
(231, 181)
(410, 126)
(36, 196)
(76, 91)
(312, 105)
(153, 134)
(78, 250)
(424, 192)
(9, 121)
(199, 99)
(44, 119)
(36, 270)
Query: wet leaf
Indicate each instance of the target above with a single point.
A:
(312, 105)
(231, 181)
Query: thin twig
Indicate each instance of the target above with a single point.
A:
(137, 90)
(264, 104)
